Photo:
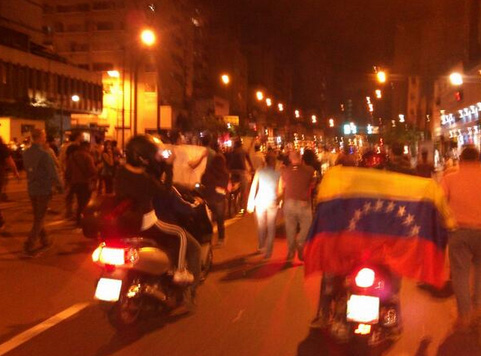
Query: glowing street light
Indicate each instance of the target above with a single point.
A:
(225, 79)
(75, 98)
(297, 113)
(314, 119)
(401, 118)
(381, 76)
(280, 106)
(113, 73)
(260, 95)
(269, 102)
(378, 93)
(456, 79)
(148, 37)
(331, 122)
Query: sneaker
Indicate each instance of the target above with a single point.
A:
(300, 253)
(219, 244)
(183, 277)
(318, 323)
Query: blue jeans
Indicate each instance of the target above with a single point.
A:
(464, 250)
(266, 223)
(297, 212)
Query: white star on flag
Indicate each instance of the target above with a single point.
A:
(357, 214)
(390, 207)
(408, 220)
(378, 206)
(367, 207)
(415, 230)
(352, 225)
(401, 211)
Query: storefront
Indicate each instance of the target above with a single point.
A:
(461, 128)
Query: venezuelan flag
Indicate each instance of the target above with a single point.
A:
(369, 215)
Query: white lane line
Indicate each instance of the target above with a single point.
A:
(54, 223)
(37, 329)
(227, 224)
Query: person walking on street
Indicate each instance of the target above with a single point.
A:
(215, 179)
(238, 167)
(263, 198)
(65, 153)
(81, 174)
(464, 197)
(296, 184)
(6, 163)
(108, 168)
(41, 177)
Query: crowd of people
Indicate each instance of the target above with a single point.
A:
(269, 180)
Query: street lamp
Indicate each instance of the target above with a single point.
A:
(280, 106)
(297, 114)
(314, 119)
(378, 93)
(225, 79)
(260, 95)
(381, 76)
(75, 98)
(148, 38)
(456, 79)
(269, 102)
(331, 122)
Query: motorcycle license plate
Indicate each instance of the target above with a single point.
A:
(108, 289)
(363, 309)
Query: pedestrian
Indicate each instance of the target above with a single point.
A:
(464, 197)
(424, 168)
(65, 153)
(6, 163)
(263, 199)
(108, 168)
(238, 168)
(297, 181)
(398, 161)
(42, 177)
(215, 180)
(257, 159)
(81, 176)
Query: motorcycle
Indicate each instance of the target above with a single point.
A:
(363, 306)
(137, 276)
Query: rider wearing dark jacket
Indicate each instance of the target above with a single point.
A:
(134, 184)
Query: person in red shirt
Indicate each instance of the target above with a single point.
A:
(296, 185)
(464, 197)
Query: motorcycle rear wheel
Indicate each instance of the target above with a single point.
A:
(127, 311)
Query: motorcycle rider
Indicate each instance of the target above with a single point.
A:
(134, 183)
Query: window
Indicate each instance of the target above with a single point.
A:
(75, 27)
(58, 27)
(84, 66)
(102, 67)
(105, 26)
(103, 5)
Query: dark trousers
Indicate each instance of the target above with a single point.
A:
(39, 206)
(218, 210)
(69, 200)
(83, 193)
(109, 184)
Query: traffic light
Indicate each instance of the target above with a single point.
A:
(458, 95)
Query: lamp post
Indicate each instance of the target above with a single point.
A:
(148, 39)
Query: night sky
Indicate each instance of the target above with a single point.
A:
(356, 34)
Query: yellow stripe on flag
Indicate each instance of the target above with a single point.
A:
(349, 182)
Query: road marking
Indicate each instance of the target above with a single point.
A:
(38, 329)
(54, 223)
(237, 318)
(227, 223)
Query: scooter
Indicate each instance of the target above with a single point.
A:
(137, 277)
(363, 306)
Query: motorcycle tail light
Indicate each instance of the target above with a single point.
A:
(365, 278)
(114, 256)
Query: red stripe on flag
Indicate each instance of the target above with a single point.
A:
(411, 257)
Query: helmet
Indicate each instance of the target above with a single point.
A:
(372, 159)
(141, 151)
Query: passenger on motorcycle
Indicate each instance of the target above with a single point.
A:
(133, 183)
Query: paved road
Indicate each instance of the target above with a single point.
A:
(246, 307)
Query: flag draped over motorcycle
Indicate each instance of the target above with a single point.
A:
(368, 215)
